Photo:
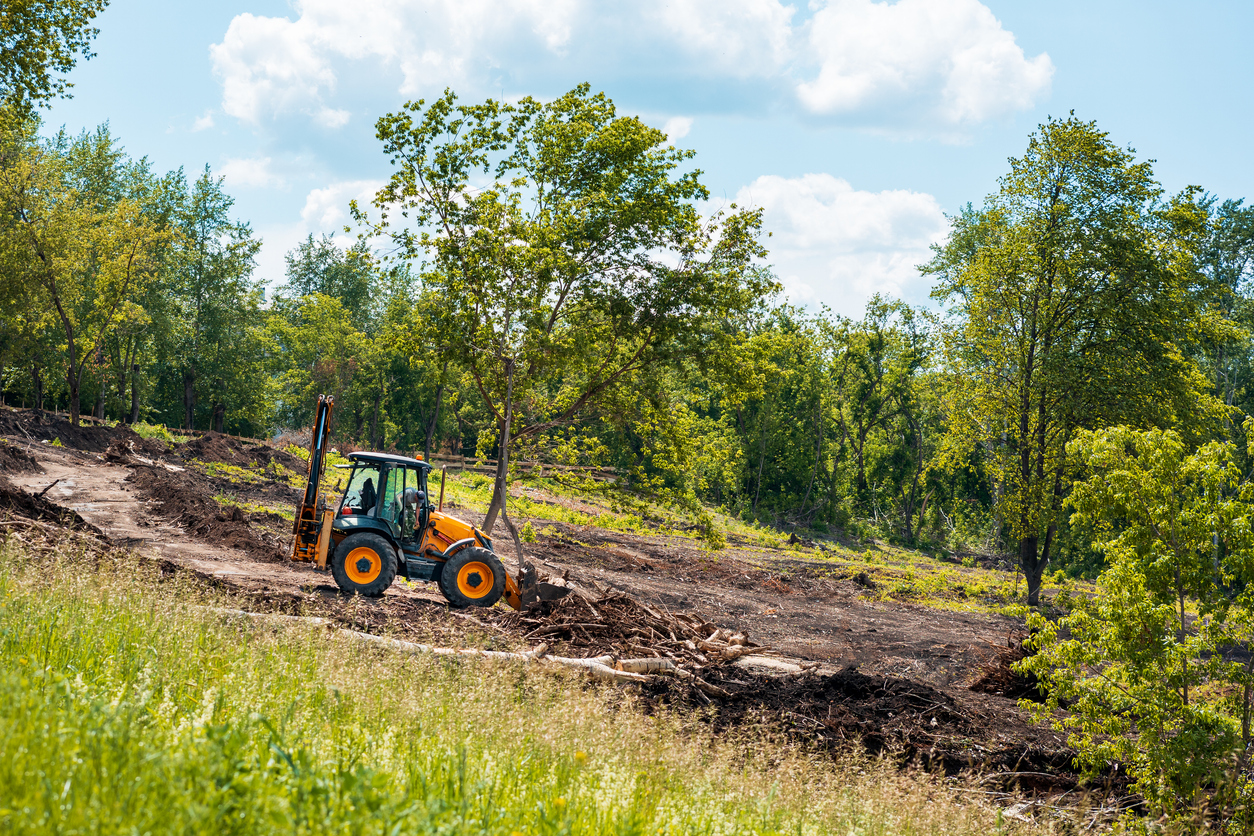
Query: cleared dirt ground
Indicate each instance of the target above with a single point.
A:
(843, 669)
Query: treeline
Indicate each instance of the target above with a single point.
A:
(582, 308)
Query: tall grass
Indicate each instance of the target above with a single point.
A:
(126, 706)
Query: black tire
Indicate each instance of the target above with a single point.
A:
(371, 568)
(465, 582)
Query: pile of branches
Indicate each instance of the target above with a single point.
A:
(612, 622)
(996, 676)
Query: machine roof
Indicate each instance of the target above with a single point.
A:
(388, 458)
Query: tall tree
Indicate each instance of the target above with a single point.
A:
(1226, 259)
(1070, 293)
(217, 299)
(581, 262)
(86, 243)
(321, 266)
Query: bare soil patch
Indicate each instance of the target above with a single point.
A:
(186, 497)
(215, 447)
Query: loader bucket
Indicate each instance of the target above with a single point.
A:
(526, 592)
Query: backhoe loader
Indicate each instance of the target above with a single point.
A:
(384, 525)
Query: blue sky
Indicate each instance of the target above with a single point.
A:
(856, 125)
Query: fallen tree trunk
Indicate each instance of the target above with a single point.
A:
(597, 667)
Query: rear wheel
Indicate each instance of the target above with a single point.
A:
(364, 564)
(473, 577)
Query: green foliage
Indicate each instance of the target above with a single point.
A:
(75, 239)
(1070, 293)
(319, 266)
(1145, 667)
(40, 40)
(159, 431)
(579, 266)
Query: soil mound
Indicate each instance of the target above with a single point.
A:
(16, 502)
(14, 459)
(44, 426)
(215, 447)
(188, 499)
(37, 425)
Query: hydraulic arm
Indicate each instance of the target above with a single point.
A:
(313, 518)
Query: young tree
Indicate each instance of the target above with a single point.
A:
(1145, 667)
(564, 244)
(1070, 294)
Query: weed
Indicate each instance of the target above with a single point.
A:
(159, 431)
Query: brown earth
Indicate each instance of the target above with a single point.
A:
(844, 670)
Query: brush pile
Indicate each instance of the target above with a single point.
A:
(612, 622)
(996, 676)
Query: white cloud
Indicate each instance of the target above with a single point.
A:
(950, 60)
(272, 65)
(326, 210)
(740, 38)
(834, 245)
(677, 127)
(253, 172)
(914, 64)
(203, 122)
(325, 213)
(269, 65)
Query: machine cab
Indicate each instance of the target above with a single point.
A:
(376, 490)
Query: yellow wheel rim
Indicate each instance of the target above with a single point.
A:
(363, 565)
(474, 580)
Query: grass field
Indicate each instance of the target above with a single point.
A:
(128, 706)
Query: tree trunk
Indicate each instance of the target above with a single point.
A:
(37, 384)
(219, 406)
(100, 402)
(376, 443)
(500, 486)
(134, 416)
(1033, 568)
(72, 380)
(189, 399)
(435, 416)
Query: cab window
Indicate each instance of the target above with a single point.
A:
(362, 494)
(392, 508)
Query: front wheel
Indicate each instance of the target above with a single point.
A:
(473, 577)
(364, 564)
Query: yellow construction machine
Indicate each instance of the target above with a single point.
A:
(384, 525)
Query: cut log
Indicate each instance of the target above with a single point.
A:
(597, 667)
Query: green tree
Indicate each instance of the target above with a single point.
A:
(86, 250)
(320, 266)
(1226, 259)
(1070, 294)
(1142, 667)
(580, 263)
(40, 40)
(318, 351)
(217, 304)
